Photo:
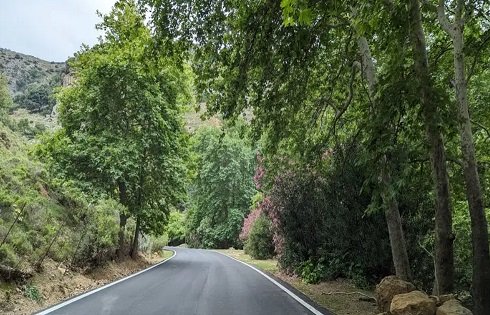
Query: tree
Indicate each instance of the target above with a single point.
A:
(444, 260)
(481, 255)
(121, 126)
(276, 79)
(296, 65)
(222, 189)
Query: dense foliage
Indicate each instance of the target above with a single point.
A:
(121, 128)
(402, 80)
(43, 217)
(221, 191)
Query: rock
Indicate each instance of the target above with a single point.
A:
(453, 307)
(412, 303)
(441, 299)
(62, 270)
(444, 298)
(436, 299)
(388, 288)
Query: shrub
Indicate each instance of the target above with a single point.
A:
(8, 255)
(321, 229)
(176, 228)
(311, 272)
(259, 243)
(32, 292)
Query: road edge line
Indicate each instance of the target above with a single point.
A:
(83, 295)
(305, 304)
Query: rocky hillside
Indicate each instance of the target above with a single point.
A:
(31, 80)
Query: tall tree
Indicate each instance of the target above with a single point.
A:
(121, 124)
(479, 224)
(444, 260)
(222, 189)
(392, 213)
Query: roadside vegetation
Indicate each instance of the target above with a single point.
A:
(328, 140)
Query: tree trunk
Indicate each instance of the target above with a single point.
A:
(479, 227)
(444, 260)
(395, 229)
(123, 218)
(135, 244)
(392, 214)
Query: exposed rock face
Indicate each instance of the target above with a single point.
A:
(453, 307)
(412, 303)
(388, 288)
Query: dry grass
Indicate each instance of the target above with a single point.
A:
(339, 296)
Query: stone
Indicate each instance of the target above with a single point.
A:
(446, 297)
(453, 307)
(388, 288)
(412, 303)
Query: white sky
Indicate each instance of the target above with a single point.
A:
(50, 29)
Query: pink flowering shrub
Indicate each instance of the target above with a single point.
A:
(249, 222)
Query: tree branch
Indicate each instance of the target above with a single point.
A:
(443, 20)
(487, 131)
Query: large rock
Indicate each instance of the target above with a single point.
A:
(412, 303)
(453, 307)
(388, 288)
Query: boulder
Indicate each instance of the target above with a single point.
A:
(441, 299)
(412, 303)
(388, 288)
(453, 307)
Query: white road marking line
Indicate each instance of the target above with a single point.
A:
(62, 304)
(294, 296)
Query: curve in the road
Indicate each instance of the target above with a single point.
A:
(194, 281)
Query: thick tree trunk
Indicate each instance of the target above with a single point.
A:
(479, 227)
(392, 213)
(444, 260)
(135, 244)
(123, 218)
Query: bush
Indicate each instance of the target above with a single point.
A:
(311, 272)
(8, 256)
(321, 229)
(259, 243)
(176, 228)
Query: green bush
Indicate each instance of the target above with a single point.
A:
(259, 243)
(154, 243)
(32, 292)
(8, 255)
(20, 242)
(176, 228)
(311, 272)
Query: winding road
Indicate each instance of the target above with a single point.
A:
(193, 281)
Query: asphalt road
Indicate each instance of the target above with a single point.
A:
(193, 282)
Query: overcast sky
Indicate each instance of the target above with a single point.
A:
(50, 29)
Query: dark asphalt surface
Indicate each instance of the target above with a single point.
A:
(193, 282)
